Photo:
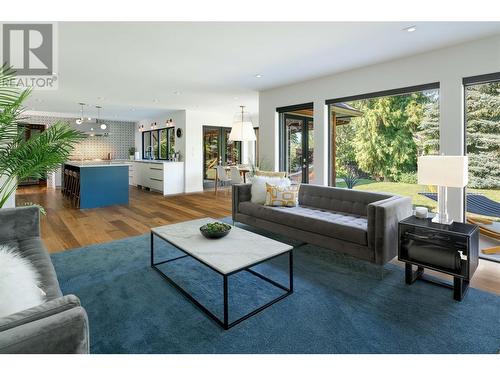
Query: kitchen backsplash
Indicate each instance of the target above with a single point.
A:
(117, 143)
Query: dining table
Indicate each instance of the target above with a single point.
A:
(243, 173)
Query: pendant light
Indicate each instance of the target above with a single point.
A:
(103, 126)
(79, 120)
(242, 129)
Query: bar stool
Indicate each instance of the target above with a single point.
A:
(75, 191)
(66, 182)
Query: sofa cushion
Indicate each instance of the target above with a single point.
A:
(337, 199)
(340, 225)
(259, 187)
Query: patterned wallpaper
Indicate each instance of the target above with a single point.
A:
(119, 140)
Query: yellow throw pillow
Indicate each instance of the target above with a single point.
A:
(282, 196)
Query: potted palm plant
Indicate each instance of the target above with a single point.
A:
(22, 158)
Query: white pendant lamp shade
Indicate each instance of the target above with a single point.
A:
(242, 129)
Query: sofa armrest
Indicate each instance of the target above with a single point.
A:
(241, 193)
(19, 223)
(57, 326)
(383, 219)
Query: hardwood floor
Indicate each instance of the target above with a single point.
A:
(65, 227)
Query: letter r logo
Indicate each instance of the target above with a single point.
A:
(28, 48)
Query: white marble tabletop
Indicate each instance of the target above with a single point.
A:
(238, 250)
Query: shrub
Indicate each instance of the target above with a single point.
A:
(407, 178)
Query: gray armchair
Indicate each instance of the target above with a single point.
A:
(60, 325)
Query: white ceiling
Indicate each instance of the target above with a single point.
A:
(142, 70)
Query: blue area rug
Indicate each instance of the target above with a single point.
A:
(340, 305)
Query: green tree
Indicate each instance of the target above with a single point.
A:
(427, 135)
(384, 143)
(483, 135)
(346, 154)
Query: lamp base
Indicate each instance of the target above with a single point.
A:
(442, 216)
(442, 220)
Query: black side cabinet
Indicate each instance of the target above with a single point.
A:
(450, 249)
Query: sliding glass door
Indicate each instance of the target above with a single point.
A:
(482, 145)
(298, 147)
(218, 150)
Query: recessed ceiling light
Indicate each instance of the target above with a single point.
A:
(100, 98)
(410, 29)
(177, 92)
(258, 75)
(155, 100)
(235, 98)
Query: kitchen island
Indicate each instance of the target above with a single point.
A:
(101, 183)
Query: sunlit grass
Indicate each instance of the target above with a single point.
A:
(412, 190)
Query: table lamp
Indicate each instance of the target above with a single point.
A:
(443, 171)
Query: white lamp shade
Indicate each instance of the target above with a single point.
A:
(449, 171)
(242, 131)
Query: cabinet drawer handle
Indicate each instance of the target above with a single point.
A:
(155, 179)
(156, 169)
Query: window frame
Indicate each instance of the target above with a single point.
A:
(472, 81)
(371, 95)
(156, 156)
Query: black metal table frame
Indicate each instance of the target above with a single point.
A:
(225, 322)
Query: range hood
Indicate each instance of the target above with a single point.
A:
(92, 129)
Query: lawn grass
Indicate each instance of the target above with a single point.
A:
(412, 190)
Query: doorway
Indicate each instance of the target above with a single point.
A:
(297, 143)
(218, 150)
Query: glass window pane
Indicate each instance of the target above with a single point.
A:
(233, 149)
(146, 141)
(376, 143)
(211, 152)
(171, 141)
(156, 144)
(164, 144)
(482, 103)
(294, 152)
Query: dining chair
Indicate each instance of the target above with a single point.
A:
(222, 177)
(235, 175)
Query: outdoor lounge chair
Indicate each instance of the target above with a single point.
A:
(480, 205)
(476, 204)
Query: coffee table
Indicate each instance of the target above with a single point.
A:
(238, 251)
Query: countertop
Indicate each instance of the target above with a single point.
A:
(113, 163)
(92, 163)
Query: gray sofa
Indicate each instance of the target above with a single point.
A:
(59, 325)
(358, 223)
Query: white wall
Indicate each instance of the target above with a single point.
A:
(447, 66)
(190, 144)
